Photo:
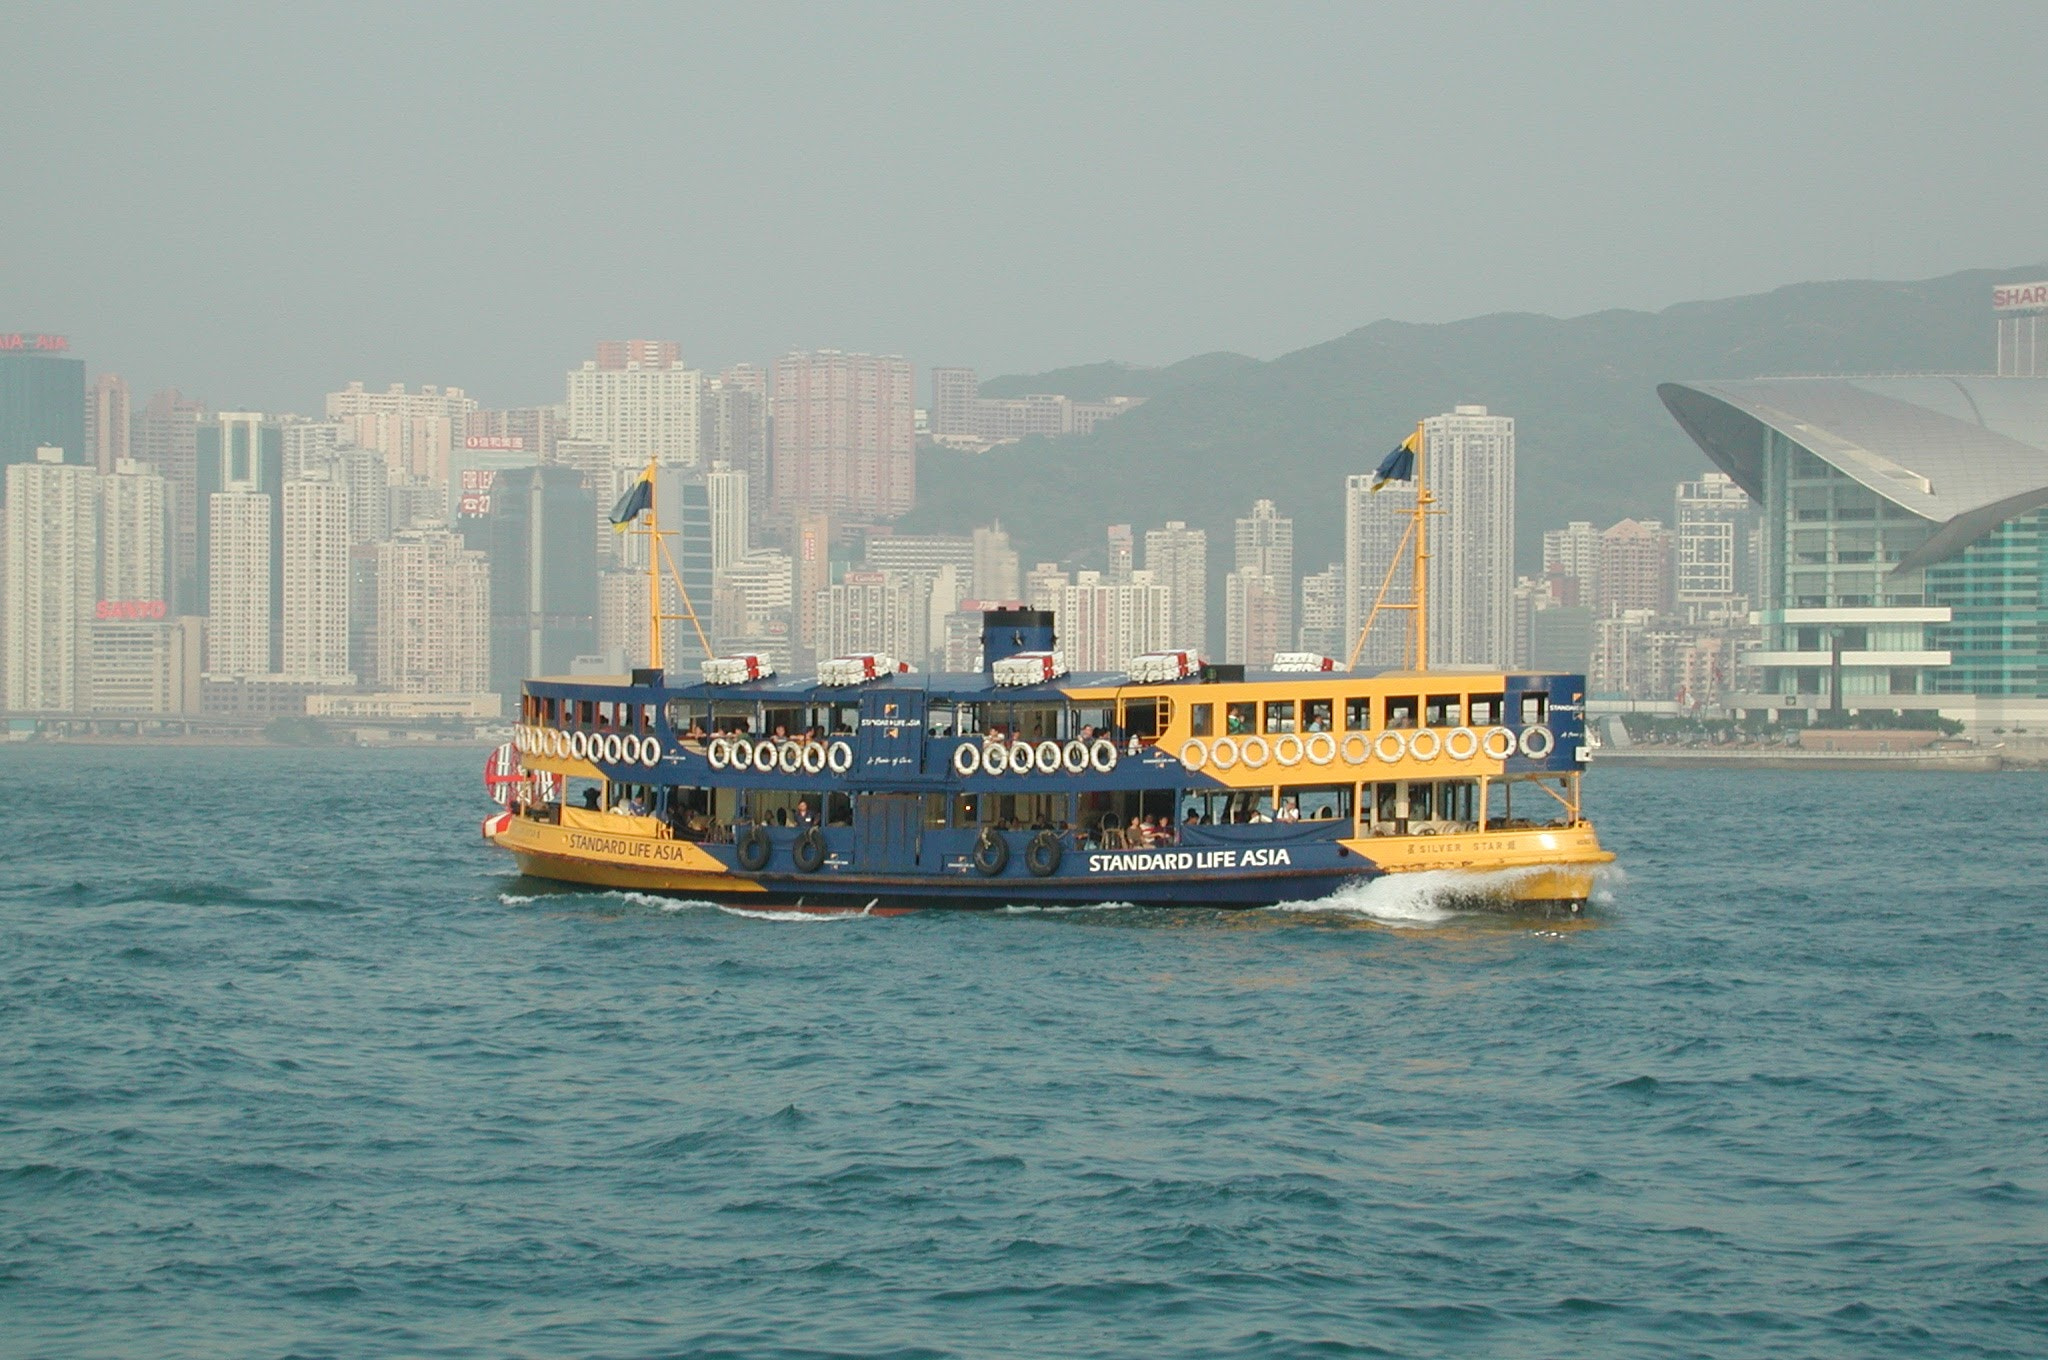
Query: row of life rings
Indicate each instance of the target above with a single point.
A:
(784, 757)
(1047, 757)
(608, 748)
(1320, 748)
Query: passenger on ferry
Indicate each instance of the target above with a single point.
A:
(1290, 811)
(590, 799)
(803, 813)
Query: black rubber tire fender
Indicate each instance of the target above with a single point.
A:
(754, 848)
(1042, 856)
(809, 851)
(991, 853)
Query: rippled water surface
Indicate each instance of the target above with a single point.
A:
(290, 1065)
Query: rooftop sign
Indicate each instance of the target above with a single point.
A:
(11, 341)
(2020, 297)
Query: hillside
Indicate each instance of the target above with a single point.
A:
(1593, 442)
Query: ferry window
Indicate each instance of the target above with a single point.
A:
(1239, 719)
(1387, 803)
(845, 718)
(1458, 801)
(1358, 714)
(1280, 716)
(1095, 716)
(1445, 710)
(1141, 717)
(586, 713)
(1488, 709)
(938, 720)
(1315, 715)
(966, 809)
(1201, 719)
(1535, 706)
(1421, 802)
(1401, 710)
(1323, 802)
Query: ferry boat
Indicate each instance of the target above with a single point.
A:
(868, 787)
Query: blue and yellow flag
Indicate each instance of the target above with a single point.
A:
(1399, 466)
(639, 498)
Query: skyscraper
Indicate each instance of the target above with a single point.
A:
(1714, 520)
(954, 392)
(843, 435)
(433, 615)
(1179, 558)
(728, 491)
(1635, 568)
(1378, 568)
(638, 399)
(415, 431)
(316, 578)
(995, 564)
(1574, 551)
(107, 422)
(1259, 595)
(1470, 464)
(133, 521)
(1321, 629)
(1102, 624)
(543, 556)
(165, 436)
(240, 587)
(242, 453)
(51, 574)
(42, 399)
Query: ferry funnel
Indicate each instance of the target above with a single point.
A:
(1006, 632)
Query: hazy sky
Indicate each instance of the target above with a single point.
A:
(259, 203)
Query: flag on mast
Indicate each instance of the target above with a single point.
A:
(1399, 466)
(638, 499)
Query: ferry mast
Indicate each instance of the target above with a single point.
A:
(1415, 542)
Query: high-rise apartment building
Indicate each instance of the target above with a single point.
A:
(622, 618)
(241, 612)
(1321, 628)
(639, 400)
(316, 578)
(108, 422)
(310, 444)
(520, 429)
(51, 577)
(242, 453)
(366, 478)
(876, 611)
(728, 491)
(1574, 551)
(544, 587)
(1102, 624)
(844, 436)
(42, 400)
(736, 432)
(1635, 568)
(687, 580)
(954, 391)
(1178, 558)
(1470, 464)
(1123, 546)
(1714, 520)
(1378, 569)
(995, 564)
(1259, 594)
(415, 431)
(433, 615)
(813, 540)
(165, 435)
(134, 518)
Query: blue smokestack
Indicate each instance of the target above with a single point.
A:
(1006, 632)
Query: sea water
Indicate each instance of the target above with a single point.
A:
(291, 1065)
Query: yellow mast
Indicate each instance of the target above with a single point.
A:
(1417, 533)
(657, 553)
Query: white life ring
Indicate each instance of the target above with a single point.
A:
(839, 757)
(814, 757)
(650, 751)
(1288, 749)
(1075, 757)
(565, 744)
(966, 759)
(1538, 742)
(1048, 757)
(1363, 748)
(995, 758)
(1102, 755)
(579, 746)
(790, 759)
(519, 739)
(1436, 744)
(1223, 754)
(764, 756)
(1500, 749)
(544, 741)
(1379, 746)
(1265, 752)
(719, 752)
(1193, 753)
(1461, 743)
(1323, 742)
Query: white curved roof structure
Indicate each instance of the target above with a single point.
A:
(1965, 452)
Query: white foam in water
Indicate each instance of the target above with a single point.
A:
(515, 899)
(1425, 898)
(753, 914)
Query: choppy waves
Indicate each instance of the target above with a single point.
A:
(279, 1086)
